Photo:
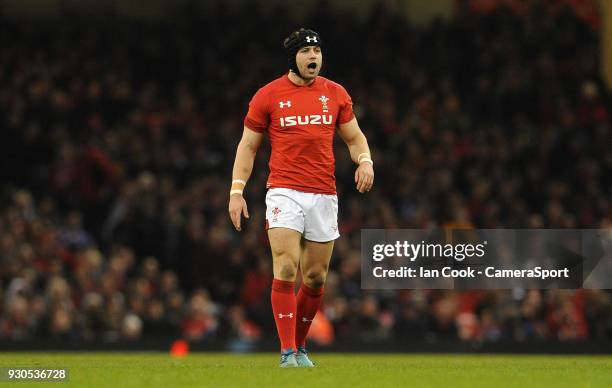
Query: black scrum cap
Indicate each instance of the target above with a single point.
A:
(298, 39)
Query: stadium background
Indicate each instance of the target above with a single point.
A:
(119, 126)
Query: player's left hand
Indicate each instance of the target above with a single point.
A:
(364, 177)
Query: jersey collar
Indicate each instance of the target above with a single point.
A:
(301, 86)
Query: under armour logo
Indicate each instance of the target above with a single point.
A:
(283, 104)
(281, 316)
(311, 39)
(304, 319)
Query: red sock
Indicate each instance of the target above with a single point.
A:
(308, 301)
(283, 306)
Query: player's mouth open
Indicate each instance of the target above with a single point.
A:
(312, 65)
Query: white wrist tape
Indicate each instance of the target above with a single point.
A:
(242, 182)
(362, 155)
(235, 192)
(367, 160)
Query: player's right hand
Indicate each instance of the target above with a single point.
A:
(237, 207)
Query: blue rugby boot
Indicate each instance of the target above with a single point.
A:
(302, 358)
(288, 360)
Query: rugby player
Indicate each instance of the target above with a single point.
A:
(300, 113)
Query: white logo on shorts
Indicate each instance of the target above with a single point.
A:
(281, 316)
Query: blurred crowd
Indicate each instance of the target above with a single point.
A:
(119, 137)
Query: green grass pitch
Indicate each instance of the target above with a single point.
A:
(118, 370)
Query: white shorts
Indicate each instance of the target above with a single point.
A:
(313, 215)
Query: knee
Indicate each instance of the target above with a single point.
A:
(286, 270)
(315, 277)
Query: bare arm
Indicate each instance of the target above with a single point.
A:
(243, 166)
(358, 147)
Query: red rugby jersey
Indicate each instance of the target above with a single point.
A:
(300, 122)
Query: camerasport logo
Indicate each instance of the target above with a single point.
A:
(276, 211)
